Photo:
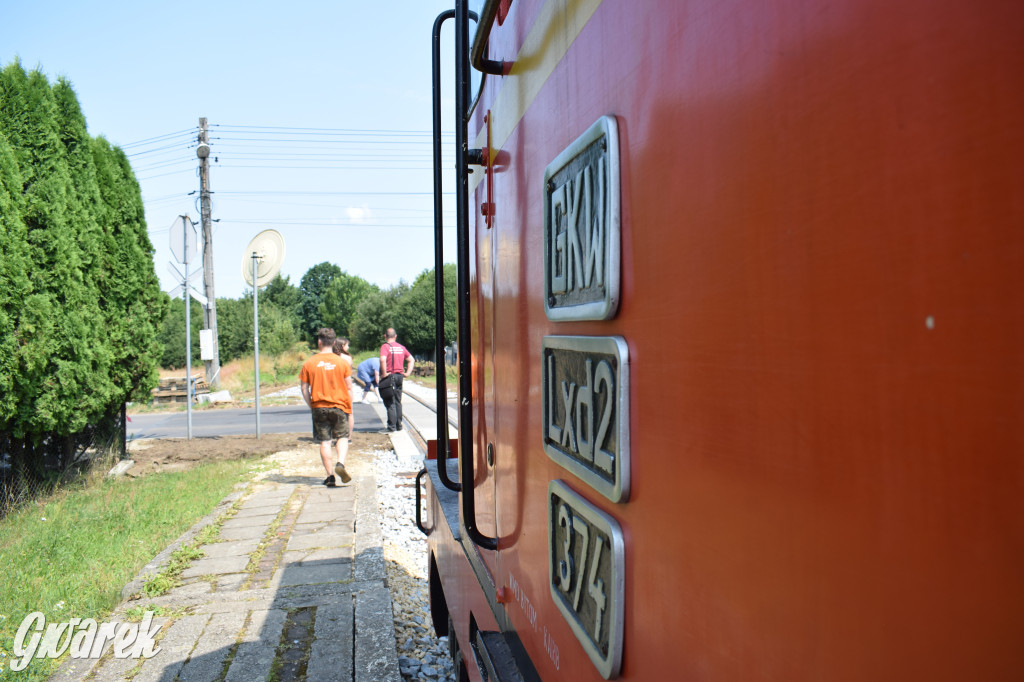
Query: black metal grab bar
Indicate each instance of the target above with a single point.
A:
(419, 514)
(443, 446)
(466, 452)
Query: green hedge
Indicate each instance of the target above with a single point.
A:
(80, 303)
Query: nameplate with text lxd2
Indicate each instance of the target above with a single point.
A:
(585, 398)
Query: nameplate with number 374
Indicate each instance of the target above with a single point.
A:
(585, 573)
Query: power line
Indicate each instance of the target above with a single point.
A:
(325, 131)
(322, 193)
(156, 138)
(325, 223)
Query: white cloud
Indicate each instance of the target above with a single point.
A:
(359, 214)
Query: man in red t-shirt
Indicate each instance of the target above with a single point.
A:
(393, 357)
(326, 382)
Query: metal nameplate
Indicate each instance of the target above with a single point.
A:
(582, 252)
(586, 564)
(585, 397)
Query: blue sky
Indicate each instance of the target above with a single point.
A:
(353, 188)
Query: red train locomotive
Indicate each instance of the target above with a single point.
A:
(741, 325)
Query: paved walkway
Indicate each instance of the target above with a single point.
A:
(292, 588)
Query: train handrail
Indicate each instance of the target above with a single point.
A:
(483, 29)
(443, 445)
(419, 515)
(466, 463)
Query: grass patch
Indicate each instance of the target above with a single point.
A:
(451, 378)
(136, 613)
(69, 555)
(170, 577)
(275, 370)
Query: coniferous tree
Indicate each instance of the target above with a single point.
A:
(93, 347)
(79, 300)
(129, 291)
(47, 378)
(14, 283)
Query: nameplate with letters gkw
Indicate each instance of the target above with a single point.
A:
(585, 398)
(582, 252)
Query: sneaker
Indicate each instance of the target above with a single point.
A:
(329, 482)
(339, 469)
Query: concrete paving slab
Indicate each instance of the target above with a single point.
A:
(256, 652)
(310, 527)
(318, 556)
(337, 495)
(375, 657)
(175, 647)
(220, 565)
(190, 589)
(231, 582)
(276, 495)
(215, 550)
(308, 515)
(312, 574)
(206, 663)
(331, 655)
(263, 506)
(346, 524)
(340, 507)
(262, 521)
(369, 541)
(266, 518)
(242, 533)
(320, 539)
(115, 669)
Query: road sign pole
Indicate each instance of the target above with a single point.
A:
(256, 337)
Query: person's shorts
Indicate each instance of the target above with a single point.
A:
(329, 423)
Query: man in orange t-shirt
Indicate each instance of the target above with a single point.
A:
(326, 382)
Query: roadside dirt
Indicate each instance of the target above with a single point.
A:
(179, 454)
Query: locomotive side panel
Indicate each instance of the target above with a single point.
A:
(821, 276)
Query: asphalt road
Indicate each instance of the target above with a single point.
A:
(239, 422)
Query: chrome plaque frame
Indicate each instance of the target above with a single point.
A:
(582, 267)
(579, 372)
(587, 538)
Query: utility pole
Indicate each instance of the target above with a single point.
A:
(210, 310)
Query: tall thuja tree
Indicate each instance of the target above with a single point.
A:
(79, 294)
(47, 381)
(95, 347)
(129, 291)
(14, 284)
